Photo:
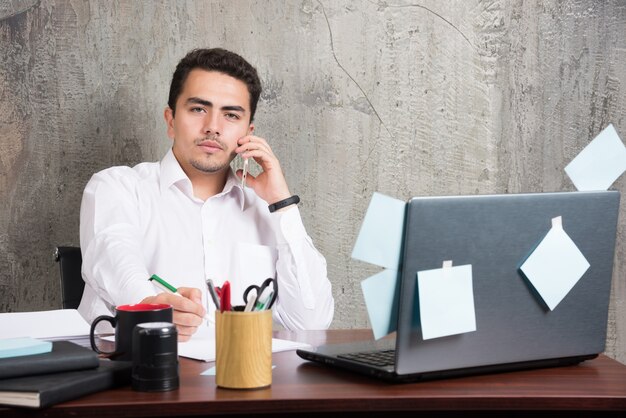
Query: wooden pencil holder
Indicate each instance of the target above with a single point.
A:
(243, 348)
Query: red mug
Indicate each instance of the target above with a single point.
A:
(124, 321)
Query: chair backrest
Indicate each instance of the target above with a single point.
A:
(72, 285)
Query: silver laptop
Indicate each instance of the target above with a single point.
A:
(514, 328)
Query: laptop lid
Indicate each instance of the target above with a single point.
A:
(514, 328)
(495, 234)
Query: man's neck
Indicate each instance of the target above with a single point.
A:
(206, 185)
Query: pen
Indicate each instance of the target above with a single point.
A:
(263, 299)
(250, 304)
(164, 285)
(213, 293)
(225, 297)
(168, 287)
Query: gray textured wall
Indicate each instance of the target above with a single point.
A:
(398, 96)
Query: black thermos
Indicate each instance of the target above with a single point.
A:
(155, 357)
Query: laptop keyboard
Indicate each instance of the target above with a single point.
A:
(380, 358)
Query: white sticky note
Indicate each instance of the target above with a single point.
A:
(446, 299)
(555, 266)
(600, 163)
(380, 239)
(381, 294)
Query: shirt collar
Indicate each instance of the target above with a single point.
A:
(172, 174)
(233, 185)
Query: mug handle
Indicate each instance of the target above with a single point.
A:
(92, 339)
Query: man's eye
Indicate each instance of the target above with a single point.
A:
(197, 109)
(232, 116)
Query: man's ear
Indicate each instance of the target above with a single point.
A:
(250, 128)
(168, 115)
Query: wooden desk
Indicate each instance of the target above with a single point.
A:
(307, 389)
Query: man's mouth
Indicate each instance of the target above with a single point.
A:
(210, 145)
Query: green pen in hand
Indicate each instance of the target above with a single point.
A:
(169, 288)
(164, 285)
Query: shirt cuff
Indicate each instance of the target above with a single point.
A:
(288, 225)
(136, 290)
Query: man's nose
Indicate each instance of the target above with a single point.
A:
(212, 123)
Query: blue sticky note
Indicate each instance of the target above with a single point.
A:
(23, 346)
(555, 266)
(382, 293)
(600, 163)
(446, 301)
(380, 239)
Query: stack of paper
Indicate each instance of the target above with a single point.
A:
(61, 324)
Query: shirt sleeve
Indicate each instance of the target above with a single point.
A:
(305, 300)
(110, 238)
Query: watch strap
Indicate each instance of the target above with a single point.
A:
(284, 203)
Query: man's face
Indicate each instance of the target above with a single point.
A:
(212, 113)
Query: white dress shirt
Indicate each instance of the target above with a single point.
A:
(135, 222)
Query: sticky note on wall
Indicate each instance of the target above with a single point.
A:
(600, 163)
(555, 266)
(380, 239)
(382, 293)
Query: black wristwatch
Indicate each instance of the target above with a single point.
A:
(293, 200)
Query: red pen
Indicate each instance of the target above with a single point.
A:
(225, 297)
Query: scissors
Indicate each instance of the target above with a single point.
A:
(259, 290)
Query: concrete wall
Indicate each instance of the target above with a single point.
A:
(401, 97)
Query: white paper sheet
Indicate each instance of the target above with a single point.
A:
(446, 298)
(204, 348)
(555, 266)
(51, 325)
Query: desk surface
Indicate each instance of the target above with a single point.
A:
(309, 389)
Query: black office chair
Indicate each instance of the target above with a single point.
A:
(72, 285)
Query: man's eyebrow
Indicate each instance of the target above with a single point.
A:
(197, 100)
(234, 108)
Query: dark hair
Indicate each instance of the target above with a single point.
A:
(220, 60)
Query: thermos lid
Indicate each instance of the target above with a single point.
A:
(156, 328)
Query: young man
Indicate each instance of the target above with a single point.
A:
(188, 218)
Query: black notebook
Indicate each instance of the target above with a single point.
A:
(65, 356)
(41, 391)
